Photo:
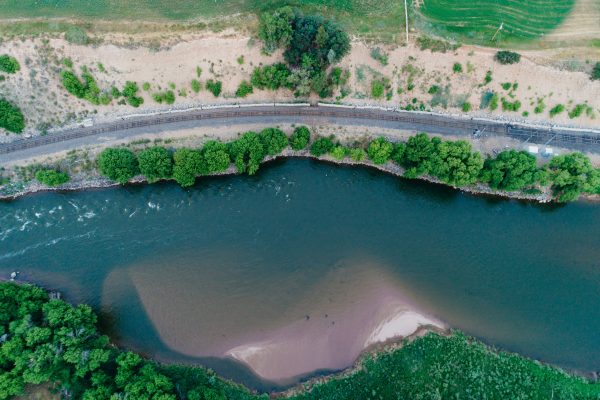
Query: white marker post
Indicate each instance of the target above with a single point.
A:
(406, 15)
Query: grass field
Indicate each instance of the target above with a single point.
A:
(381, 19)
(476, 21)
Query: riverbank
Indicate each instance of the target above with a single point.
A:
(95, 181)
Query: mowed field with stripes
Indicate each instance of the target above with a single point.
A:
(493, 21)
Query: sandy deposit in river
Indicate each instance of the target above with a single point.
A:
(283, 327)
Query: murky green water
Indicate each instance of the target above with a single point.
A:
(183, 274)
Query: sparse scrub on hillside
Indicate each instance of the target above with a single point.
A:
(378, 54)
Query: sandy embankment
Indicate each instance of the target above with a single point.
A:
(294, 351)
(281, 325)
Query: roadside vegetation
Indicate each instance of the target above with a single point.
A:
(447, 161)
(49, 342)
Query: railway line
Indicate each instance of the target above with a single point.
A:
(303, 113)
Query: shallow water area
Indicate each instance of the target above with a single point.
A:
(315, 255)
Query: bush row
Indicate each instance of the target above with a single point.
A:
(451, 162)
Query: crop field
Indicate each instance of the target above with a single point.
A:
(379, 19)
(479, 21)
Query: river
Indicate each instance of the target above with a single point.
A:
(305, 248)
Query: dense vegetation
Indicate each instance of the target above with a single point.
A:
(48, 341)
(9, 64)
(11, 117)
(311, 45)
(595, 74)
(452, 367)
(449, 161)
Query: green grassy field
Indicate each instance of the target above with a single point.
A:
(476, 21)
(369, 18)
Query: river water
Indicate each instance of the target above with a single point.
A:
(185, 275)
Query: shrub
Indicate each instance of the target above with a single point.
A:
(274, 141)
(595, 74)
(494, 102)
(510, 106)
(300, 138)
(577, 111)
(339, 76)
(188, 164)
(380, 150)
(164, 97)
(118, 164)
(433, 89)
(244, 89)
(457, 67)
(358, 154)
(155, 163)
(321, 146)
(130, 93)
(76, 35)
(378, 54)
(466, 106)
(338, 152)
(50, 177)
(506, 85)
(507, 57)
(435, 45)
(146, 86)
(540, 107)
(214, 87)
(270, 77)
(84, 89)
(9, 64)
(377, 89)
(247, 152)
(557, 109)
(488, 77)
(196, 86)
(11, 117)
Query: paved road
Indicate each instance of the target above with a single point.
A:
(309, 115)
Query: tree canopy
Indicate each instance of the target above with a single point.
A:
(511, 170)
(9, 64)
(321, 146)
(380, 150)
(216, 156)
(118, 164)
(300, 138)
(155, 163)
(188, 164)
(571, 175)
(274, 141)
(275, 29)
(247, 152)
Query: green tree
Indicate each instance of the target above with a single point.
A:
(275, 29)
(455, 163)
(11, 117)
(274, 140)
(380, 150)
(216, 156)
(300, 138)
(511, 170)
(321, 146)
(155, 163)
(572, 174)
(188, 164)
(247, 152)
(418, 154)
(50, 177)
(118, 164)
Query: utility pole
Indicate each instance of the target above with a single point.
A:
(406, 15)
(499, 29)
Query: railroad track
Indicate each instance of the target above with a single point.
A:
(431, 123)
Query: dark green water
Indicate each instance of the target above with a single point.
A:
(196, 271)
